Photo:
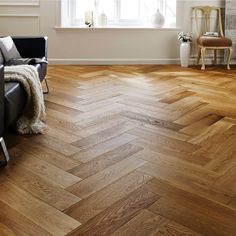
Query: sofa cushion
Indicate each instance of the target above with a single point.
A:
(8, 48)
(15, 101)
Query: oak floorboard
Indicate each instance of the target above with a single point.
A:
(103, 135)
(145, 223)
(115, 216)
(12, 223)
(164, 141)
(88, 208)
(44, 215)
(56, 144)
(205, 219)
(172, 228)
(104, 161)
(93, 152)
(44, 169)
(177, 153)
(128, 150)
(105, 177)
(46, 154)
(41, 187)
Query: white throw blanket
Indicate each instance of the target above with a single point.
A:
(32, 121)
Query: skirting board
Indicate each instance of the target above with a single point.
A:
(192, 61)
(99, 61)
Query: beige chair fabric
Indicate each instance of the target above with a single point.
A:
(204, 13)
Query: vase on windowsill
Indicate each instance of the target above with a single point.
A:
(185, 47)
(158, 19)
(102, 20)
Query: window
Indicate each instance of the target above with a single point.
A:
(121, 12)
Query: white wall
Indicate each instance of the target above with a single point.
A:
(95, 46)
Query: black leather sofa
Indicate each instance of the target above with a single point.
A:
(12, 95)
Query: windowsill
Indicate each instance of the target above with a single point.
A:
(114, 28)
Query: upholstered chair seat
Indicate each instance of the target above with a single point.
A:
(204, 15)
(207, 41)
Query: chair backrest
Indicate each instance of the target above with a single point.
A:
(203, 14)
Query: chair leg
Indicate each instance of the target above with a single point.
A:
(203, 52)
(5, 153)
(215, 57)
(198, 56)
(47, 88)
(230, 52)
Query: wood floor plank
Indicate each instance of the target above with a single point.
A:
(90, 154)
(189, 182)
(41, 188)
(223, 156)
(104, 161)
(46, 154)
(227, 181)
(198, 127)
(90, 207)
(187, 211)
(100, 126)
(165, 132)
(47, 217)
(61, 135)
(145, 223)
(56, 144)
(103, 135)
(217, 143)
(218, 127)
(177, 153)
(171, 228)
(103, 178)
(12, 223)
(152, 121)
(44, 169)
(115, 216)
(64, 125)
(161, 140)
(176, 97)
(191, 117)
(128, 150)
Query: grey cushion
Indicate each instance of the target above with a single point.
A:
(9, 49)
(15, 101)
(1, 58)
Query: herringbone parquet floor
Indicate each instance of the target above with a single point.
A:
(129, 150)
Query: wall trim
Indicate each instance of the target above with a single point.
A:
(111, 61)
(20, 15)
(16, 4)
(114, 61)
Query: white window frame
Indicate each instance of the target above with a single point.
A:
(70, 19)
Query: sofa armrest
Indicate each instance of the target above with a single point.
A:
(1, 99)
(31, 47)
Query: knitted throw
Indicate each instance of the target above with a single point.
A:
(34, 116)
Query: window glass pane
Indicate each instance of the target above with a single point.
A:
(149, 7)
(82, 6)
(108, 7)
(170, 13)
(129, 9)
(125, 12)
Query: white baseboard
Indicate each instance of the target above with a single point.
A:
(144, 61)
(56, 61)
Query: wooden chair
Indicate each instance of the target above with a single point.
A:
(210, 42)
